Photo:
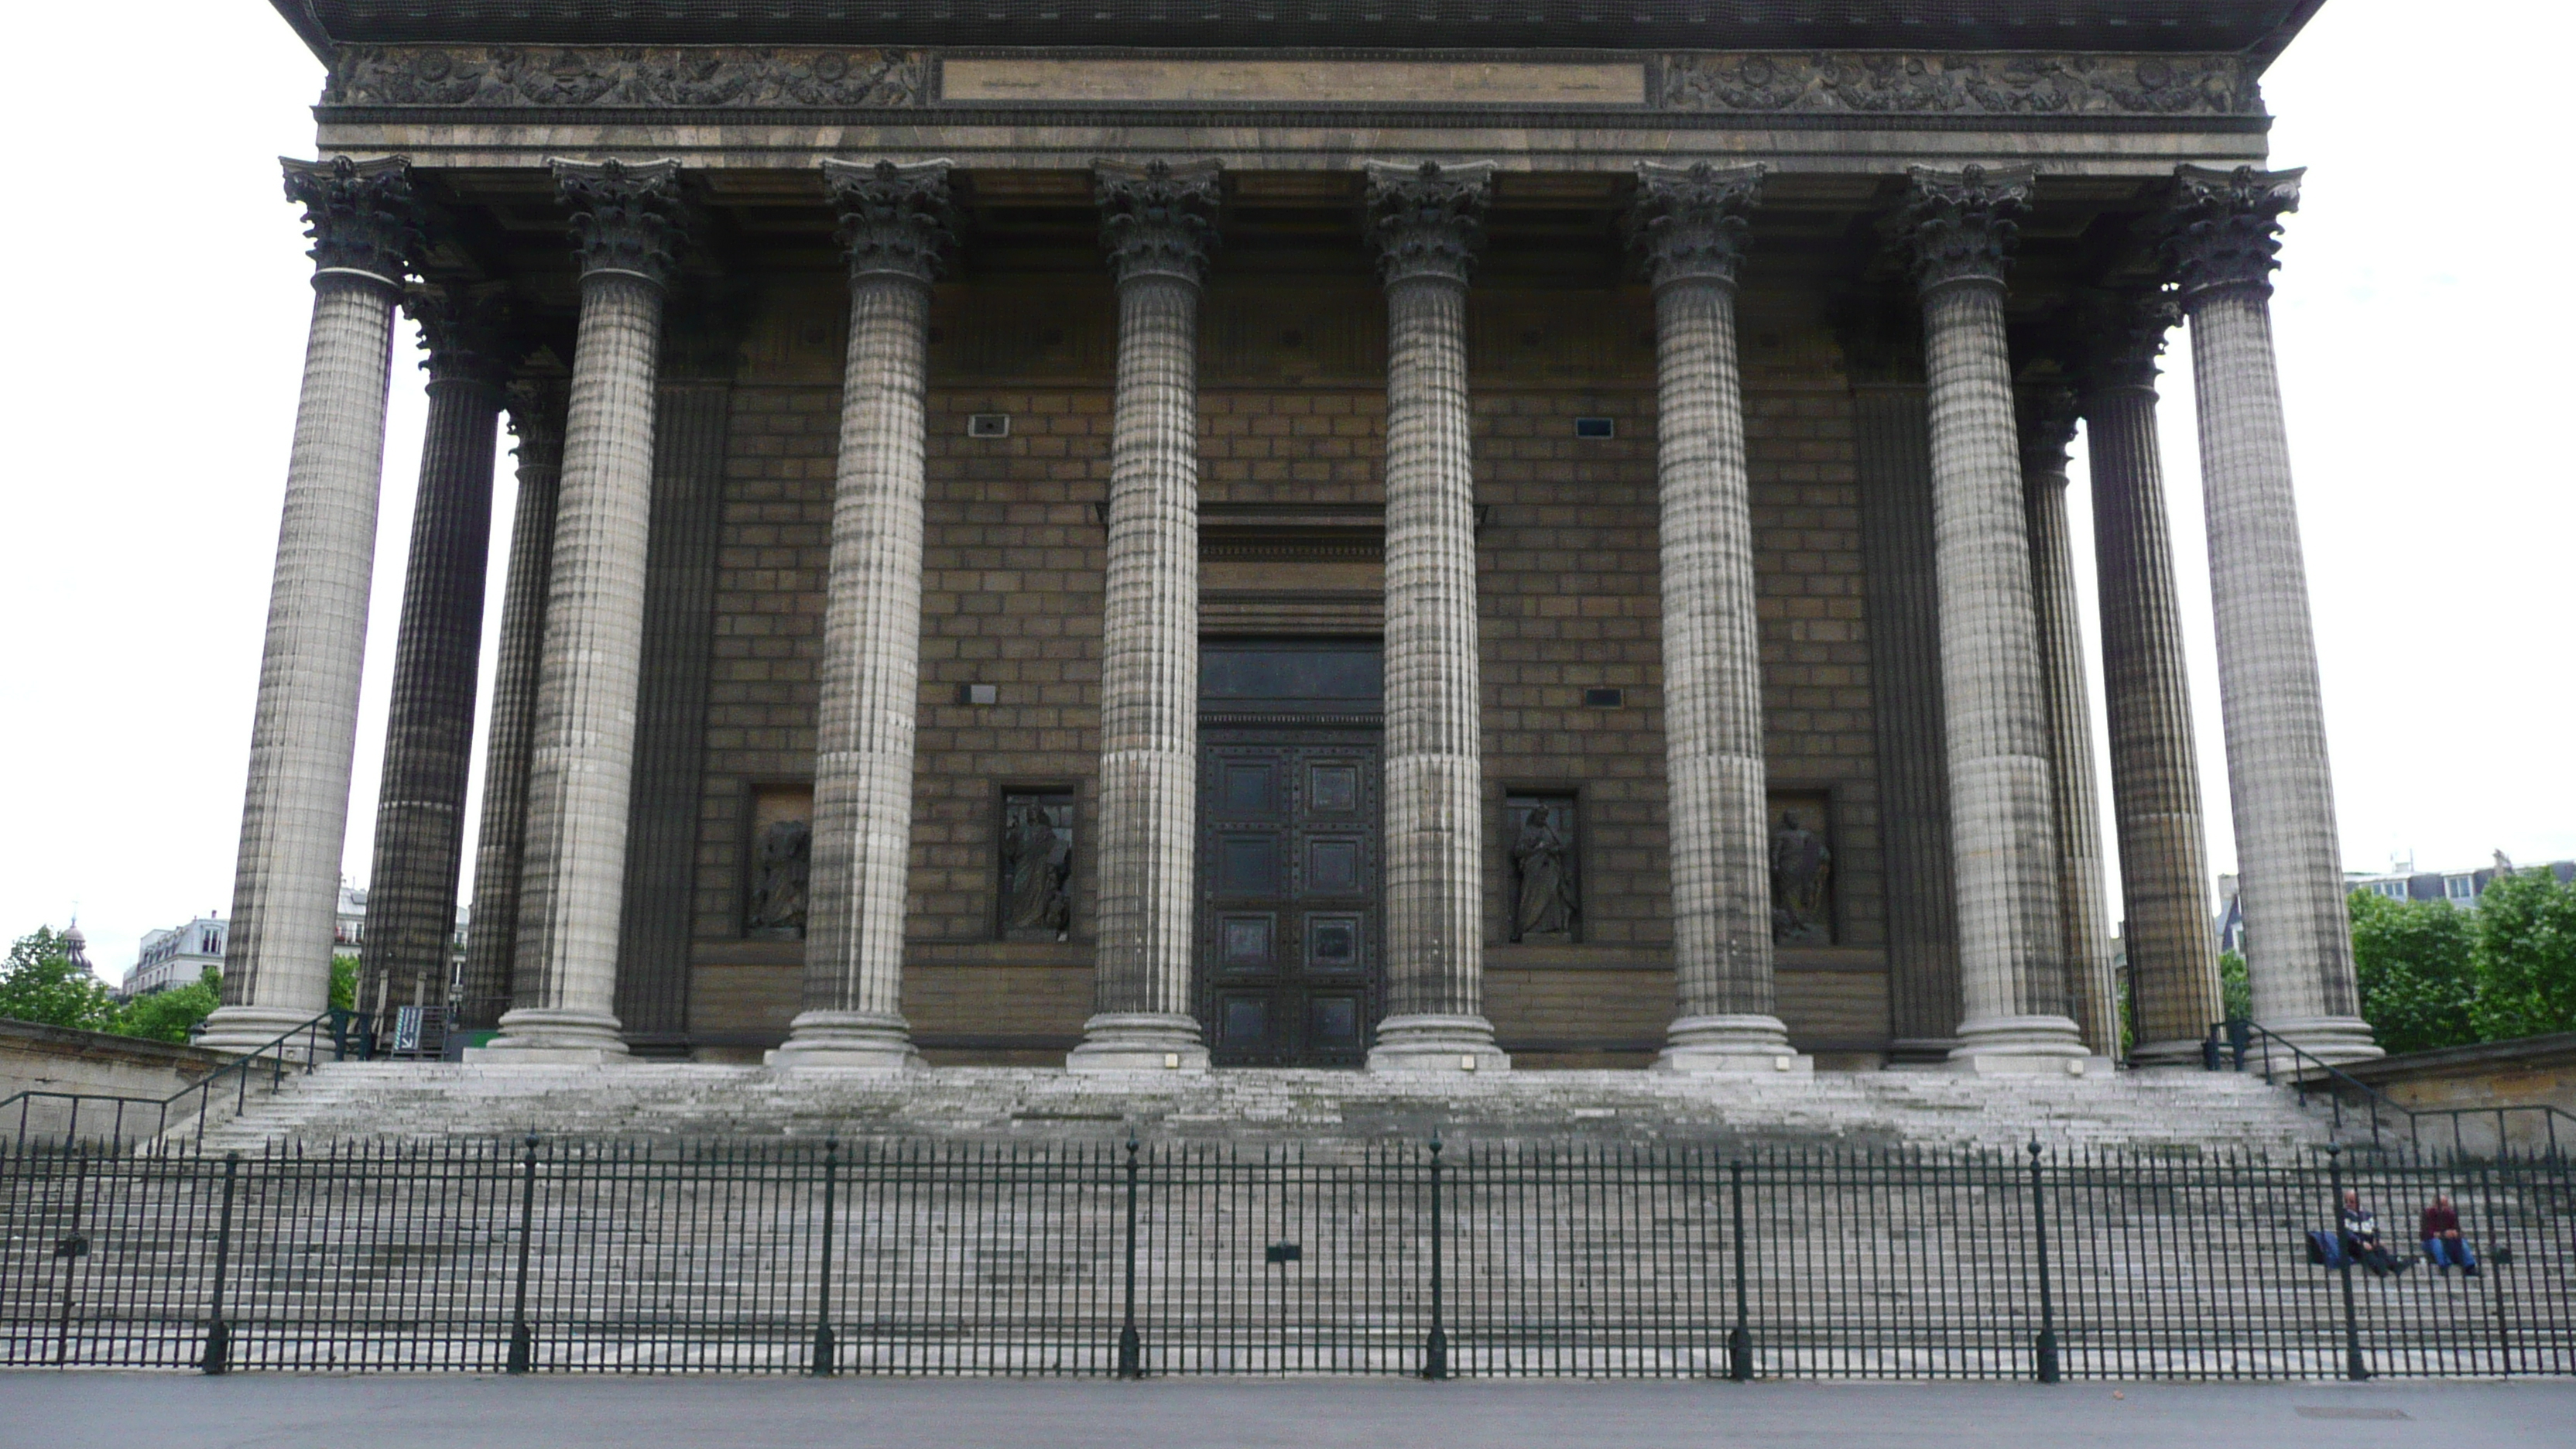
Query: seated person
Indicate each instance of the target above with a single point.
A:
(2361, 1238)
(2442, 1241)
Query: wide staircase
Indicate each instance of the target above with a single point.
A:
(2185, 1112)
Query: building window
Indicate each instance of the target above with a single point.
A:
(1546, 869)
(2462, 888)
(1034, 866)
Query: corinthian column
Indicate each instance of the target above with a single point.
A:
(2048, 417)
(537, 418)
(895, 223)
(564, 978)
(2146, 694)
(1158, 224)
(2223, 242)
(1691, 224)
(429, 731)
(1427, 222)
(365, 224)
(2012, 963)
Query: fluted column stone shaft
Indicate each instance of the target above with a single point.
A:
(1427, 222)
(2298, 944)
(429, 729)
(1894, 459)
(564, 978)
(537, 418)
(2083, 895)
(2003, 825)
(365, 225)
(1157, 226)
(895, 223)
(1691, 224)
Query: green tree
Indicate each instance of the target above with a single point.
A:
(42, 984)
(2524, 931)
(170, 1015)
(2419, 983)
(344, 983)
(2234, 988)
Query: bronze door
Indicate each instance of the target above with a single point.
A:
(1289, 896)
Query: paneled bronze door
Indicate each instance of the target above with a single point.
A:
(1291, 887)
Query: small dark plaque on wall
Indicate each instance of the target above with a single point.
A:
(778, 866)
(1035, 862)
(1546, 894)
(1802, 868)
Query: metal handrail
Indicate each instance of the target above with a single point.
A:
(2232, 1040)
(350, 1035)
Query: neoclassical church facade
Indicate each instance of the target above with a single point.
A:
(1443, 540)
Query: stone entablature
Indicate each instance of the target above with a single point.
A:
(1857, 83)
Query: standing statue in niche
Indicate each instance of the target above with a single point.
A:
(1801, 867)
(1037, 875)
(1543, 903)
(778, 892)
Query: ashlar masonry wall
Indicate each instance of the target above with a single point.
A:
(1291, 408)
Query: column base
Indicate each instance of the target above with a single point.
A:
(243, 1030)
(2166, 1056)
(853, 1041)
(553, 1036)
(1436, 1042)
(1139, 1041)
(1733, 1043)
(2022, 1045)
(2333, 1040)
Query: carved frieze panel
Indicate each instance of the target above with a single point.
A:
(405, 75)
(2011, 83)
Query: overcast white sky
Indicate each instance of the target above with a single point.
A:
(157, 315)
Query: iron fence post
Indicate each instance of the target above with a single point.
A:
(69, 1249)
(1131, 1346)
(2046, 1346)
(1435, 1350)
(825, 1357)
(521, 1343)
(219, 1332)
(2353, 1366)
(1739, 1344)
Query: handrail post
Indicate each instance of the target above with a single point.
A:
(1435, 1349)
(1131, 1345)
(1739, 1344)
(2046, 1346)
(825, 1358)
(219, 1331)
(2353, 1366)
(521, 1343)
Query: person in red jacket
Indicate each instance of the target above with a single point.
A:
(2442, 1240)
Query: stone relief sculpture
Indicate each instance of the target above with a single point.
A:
(402, 75)
(2013, 83)
(1543, 889)
(1801, 868)
(1037, 870)
(778, 890)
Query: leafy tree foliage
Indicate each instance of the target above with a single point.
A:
(2419, 981)
(344, 983)
(2524, 932)
(2234, 987)
(170, 1015)
(42, 985)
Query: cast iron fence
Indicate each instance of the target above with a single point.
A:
(925, 1257)
(2528, 1128)
(114, 1120)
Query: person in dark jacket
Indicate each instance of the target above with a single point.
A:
(2442, 1240)
(2362, 1241)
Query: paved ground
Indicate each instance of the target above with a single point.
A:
(42, 1410)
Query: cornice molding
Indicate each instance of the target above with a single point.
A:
(896, 219)
(1157, 220)
(1428, 220)
(1693, 223)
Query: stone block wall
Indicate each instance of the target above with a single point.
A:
(1292, 412)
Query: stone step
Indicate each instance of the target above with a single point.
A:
(2173, 1110)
